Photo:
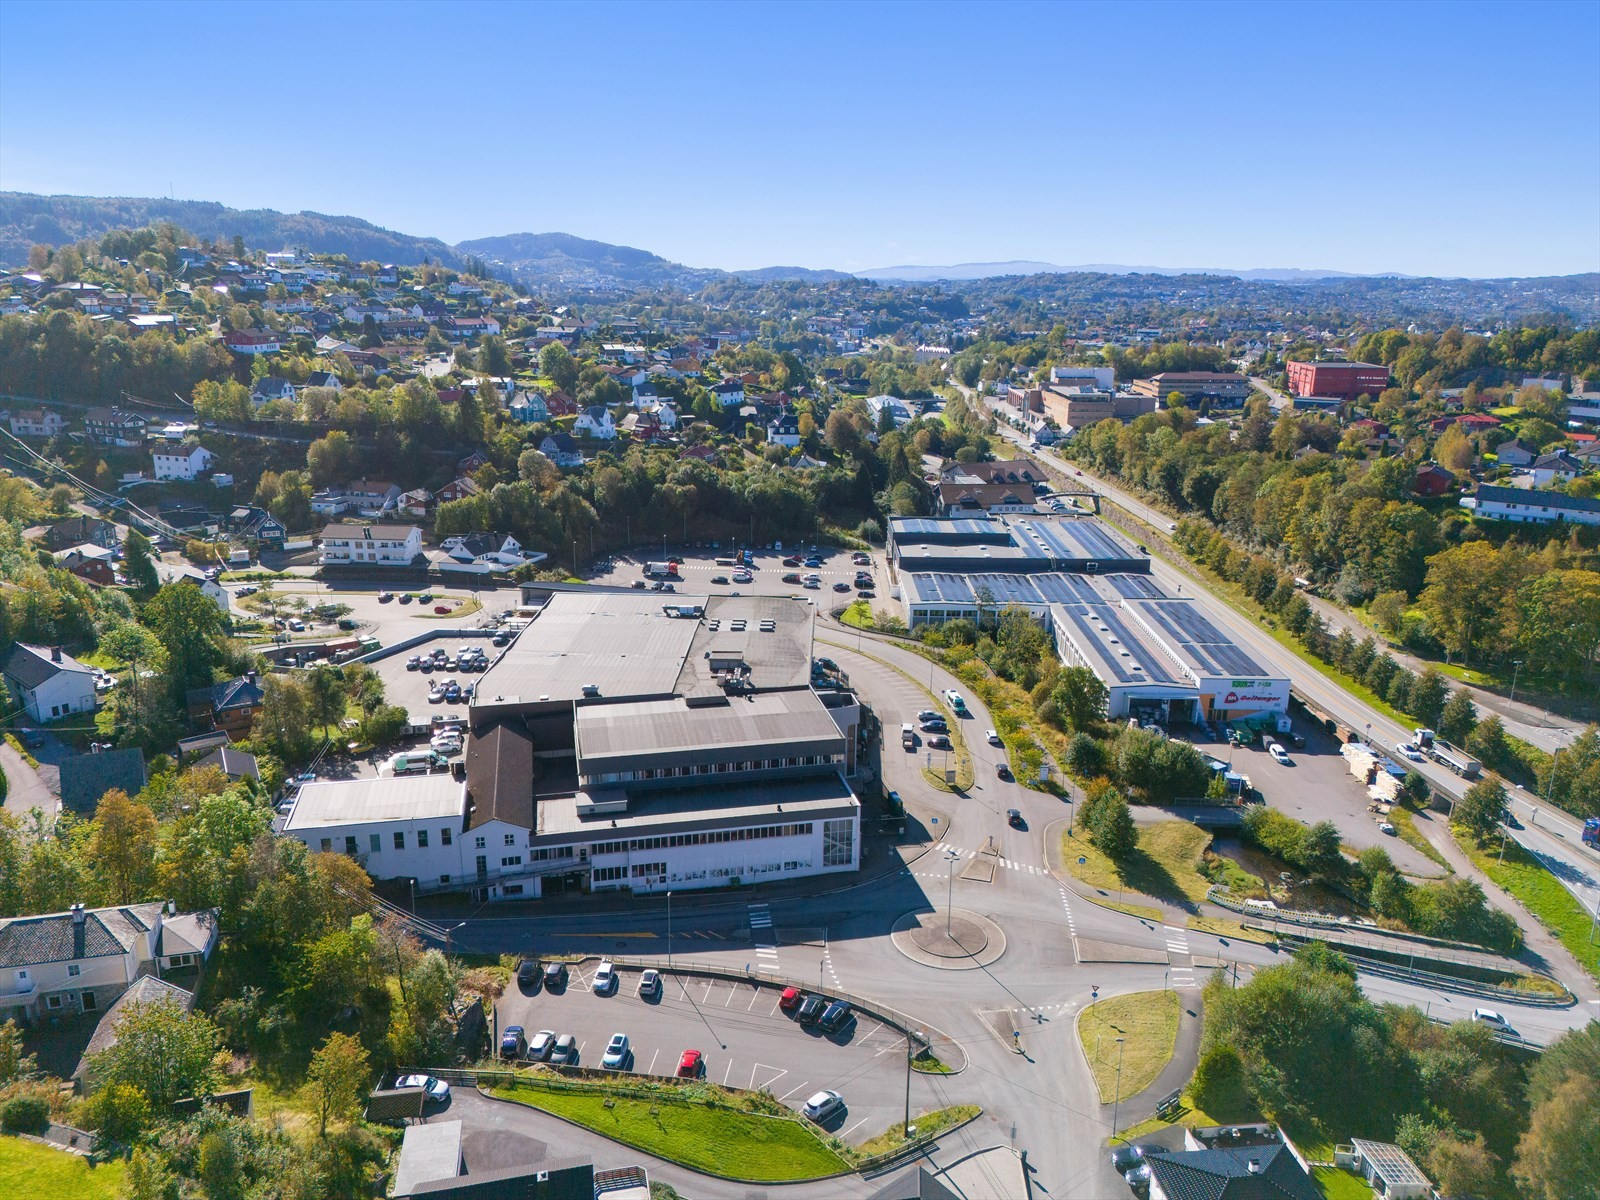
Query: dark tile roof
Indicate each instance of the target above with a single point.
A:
(1506, 495)
(87, 777)
(234, 763)
(56, 937)
(242, 692)
(500, 773)
(147, 989)
(32, 665)
(547, 1179)
(1226, 1175)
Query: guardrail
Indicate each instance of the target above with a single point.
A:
(1454, 983)
(1218, 894)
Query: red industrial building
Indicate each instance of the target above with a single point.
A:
(1341, 380)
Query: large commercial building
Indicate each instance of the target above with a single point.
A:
(1337, 380)
(1078, 407)
(624, 742)
(1158, 655)
(1222, 388)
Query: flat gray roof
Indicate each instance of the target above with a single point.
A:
(1200, 644)
(1121, 653)
(619, 642)
(770, 635)
(384, 798)
(428, 1152)
(620, 737)
(678, 810)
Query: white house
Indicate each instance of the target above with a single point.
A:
(49, 683)
(784, 430)
(897, 409)
(1558, 465)
(187, 461)
(169, 573)
(595, 422)
(729, 393)
(489, 549)
(370, 545)
(407, 827)
(1540, 508)
(83, 959)
(36, 422)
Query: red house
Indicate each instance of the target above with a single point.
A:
(1432, 480)
(1344, 380)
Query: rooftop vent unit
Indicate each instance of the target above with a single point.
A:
(591, 689)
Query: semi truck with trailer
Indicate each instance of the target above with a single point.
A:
(1441, 751)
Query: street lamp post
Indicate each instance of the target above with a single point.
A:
(1116, 1107)
(950, 857)
(669, 931)
(1516, 665)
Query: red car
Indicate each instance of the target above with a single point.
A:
(692, 1065)
(790, 1000)
(442, 609)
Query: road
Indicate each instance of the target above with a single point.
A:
(25, 790)
(1060, 948)
(1572, 862)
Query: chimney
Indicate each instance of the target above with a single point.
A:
(249, 676)
(55, 653)
(77, 914)
(1254, 1166)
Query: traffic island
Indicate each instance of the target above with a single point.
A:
(951, 939)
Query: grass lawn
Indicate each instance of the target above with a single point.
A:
(930, 1064)
(1148, 1024)
(1228, 928)
(928, 1124)
(1165, 865)
(1338, 1184)
(719, 1140)
(1405, 825)
(1238, 1109)
(29, 1169)
(1541, 893)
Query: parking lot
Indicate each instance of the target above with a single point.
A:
(697, 568)
(746, 1041)
(409, 689)
(1315, 785)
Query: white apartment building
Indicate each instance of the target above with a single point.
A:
(188, 461)
(370, 545)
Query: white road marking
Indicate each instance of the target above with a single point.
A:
(852, 1128)
(792, 1091)
(759, 1069)
(653, 1058)
(726, 1073)
(729, 1000)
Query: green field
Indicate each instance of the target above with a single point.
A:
(29, 1169)
(1338, 1184)
(1542, 894)
(718, 1140)
(1148, 1024)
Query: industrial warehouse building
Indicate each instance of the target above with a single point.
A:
(1159, 656)
(623, 742)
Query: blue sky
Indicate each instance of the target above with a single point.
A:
(1452, 139)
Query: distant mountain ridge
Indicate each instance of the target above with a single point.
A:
(991, 270)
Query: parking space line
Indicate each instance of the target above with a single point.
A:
(731, 994)
(852, 1129)
(653, 1058)
(775, 1004)
(755, 995)
(727, 1072)
(792, 1091)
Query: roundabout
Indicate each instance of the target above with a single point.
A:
(952, 939)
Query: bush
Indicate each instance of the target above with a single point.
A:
(1086, 757)
(25, 1114)
(1218, 1077)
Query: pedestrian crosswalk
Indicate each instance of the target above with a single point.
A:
(763, 938)
(1178, 947)
(937, 870)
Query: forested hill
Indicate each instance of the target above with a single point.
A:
(561, 257)
(27, 219)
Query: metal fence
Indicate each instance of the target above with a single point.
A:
(1454, 983)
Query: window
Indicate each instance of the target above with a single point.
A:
(327, 845)
(88, 1001)
(444, 837)
(72, 968)
(422, 839)
(512, 860)
(350, 846)
(52, 1001)
(511, 839)
(444, 880)
(376, 842)
(399, 839)
(838, 843)
(481, 843)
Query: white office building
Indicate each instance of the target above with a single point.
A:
(370, 545)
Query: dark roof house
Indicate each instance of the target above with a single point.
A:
(87, 777)
(1250, 1173)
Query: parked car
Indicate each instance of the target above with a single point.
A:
(385, 597)
(835, 1017)
(791, 998)
(810, 1009)
(414, 663)
(791, 561)
(937, 725)
(823, 1105)
(939, 742)
(860, 559)
(512, 1042)
(605, 978)
(639, 585)
(442, 610)
(543, 1042)
(812, 584)
(528, 972)
(928, 714)
(792, 577)
(438, 1091)
(841, 586)
(650, 982)
(565, 1051)
(719, 579)
(1279, 754)
(616, 1055)
(555, 975)
(691, 1065)
(406, 597)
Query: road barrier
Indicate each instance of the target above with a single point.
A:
(1454, 983)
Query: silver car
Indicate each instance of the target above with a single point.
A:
(822, 1105)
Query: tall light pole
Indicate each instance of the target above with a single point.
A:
(1116, 1107)
(1516, 665)
(950, 857)
(669, 931)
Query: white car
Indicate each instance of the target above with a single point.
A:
(822, 1105)
(1410, 750)
(992, 738)
(1279, 753)
(605, 978)
(650, 982)
(616, 1055)
(438, 1090)
(1488, 1016)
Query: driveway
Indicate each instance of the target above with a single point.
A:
(26, 788)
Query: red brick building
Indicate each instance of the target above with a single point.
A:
(1341, 380)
